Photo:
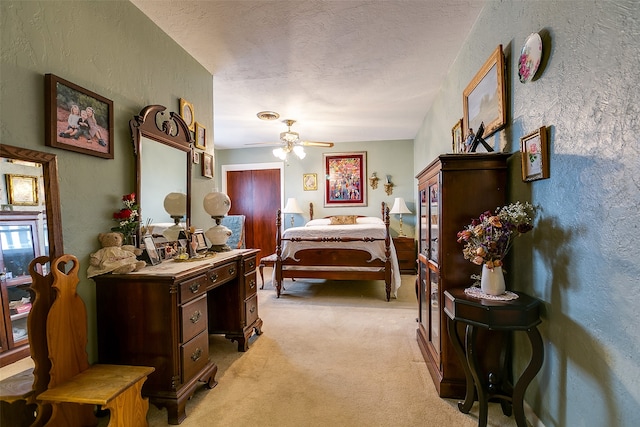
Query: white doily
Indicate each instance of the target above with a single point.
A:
(476, 292)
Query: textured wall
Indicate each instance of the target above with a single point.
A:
(580, 259)
(112, 49)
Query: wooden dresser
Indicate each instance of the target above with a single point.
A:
(162, 317)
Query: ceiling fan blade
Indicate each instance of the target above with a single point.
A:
(267, 144)
(316, 144)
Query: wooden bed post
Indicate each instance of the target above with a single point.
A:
(278, 264)
(387, 250)
(310, 211)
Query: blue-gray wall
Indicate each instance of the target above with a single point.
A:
(581, 258)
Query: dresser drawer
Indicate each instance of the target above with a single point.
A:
(249, 264)
(250, 282)
(222, 274)
(194, 355)
(192, 288)
(251, 309)
(194, 318)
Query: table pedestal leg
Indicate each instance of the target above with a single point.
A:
(472, 359)
(452, 329)
(537, 357)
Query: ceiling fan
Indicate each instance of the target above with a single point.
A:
(291, 142)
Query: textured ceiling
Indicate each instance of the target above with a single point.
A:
(345, 70)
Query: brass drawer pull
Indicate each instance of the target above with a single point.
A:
(252, 265)
(232, 270)
(194, 287)
(196, 354)
(214, 277)
(252, 284)
(252, 309)
(196, 317)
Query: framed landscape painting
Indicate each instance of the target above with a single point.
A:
(345, 183)
(483, 99)
(77, 119)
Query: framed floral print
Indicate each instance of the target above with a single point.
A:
(345, 183)
(310, 181)
(535, 155)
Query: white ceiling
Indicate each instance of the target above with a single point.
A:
(345, 70)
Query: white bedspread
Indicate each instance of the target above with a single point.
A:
(366, 227)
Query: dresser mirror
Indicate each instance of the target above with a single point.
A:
(162, 144)
(30, 226)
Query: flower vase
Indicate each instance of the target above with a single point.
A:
(131, 239)
(492, 281)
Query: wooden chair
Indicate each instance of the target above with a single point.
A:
(75, 386)
(19, 406)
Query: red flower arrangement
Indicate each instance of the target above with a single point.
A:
(127, 217)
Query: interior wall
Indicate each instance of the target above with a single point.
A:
(112, 49)
(383, 157)
(580, 258)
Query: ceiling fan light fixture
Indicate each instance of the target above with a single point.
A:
(280, 153)
(299, 151)
(268, 115)
(290, 137)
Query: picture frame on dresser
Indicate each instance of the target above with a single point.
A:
(484, 98)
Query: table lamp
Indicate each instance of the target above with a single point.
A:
(217, 205)
(399, 207)
(292, 208)
(175, 204)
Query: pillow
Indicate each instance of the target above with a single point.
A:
(369, 220)
(317, 222)
(343, 219)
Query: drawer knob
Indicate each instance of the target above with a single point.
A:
(196, 354)
(232, 270)
(252, 265)
(214, 277)
(194, 287)
(196, 317)
(252, 309)
(252, 284)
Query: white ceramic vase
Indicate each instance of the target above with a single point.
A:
(492, 282)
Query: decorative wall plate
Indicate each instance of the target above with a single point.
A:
(530, 56)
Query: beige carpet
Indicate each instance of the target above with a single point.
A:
(331, 354)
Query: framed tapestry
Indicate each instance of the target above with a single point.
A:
(345, 175)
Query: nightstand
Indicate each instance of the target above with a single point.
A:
(406, 251)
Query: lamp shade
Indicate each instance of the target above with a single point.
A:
(176, 204)
(216, 204)
(399, 207)
(292, 206)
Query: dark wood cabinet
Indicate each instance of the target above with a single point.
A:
(162, 316)
(452, 190)
(406, 252)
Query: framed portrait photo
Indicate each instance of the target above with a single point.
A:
(207, 165)
(201, 136)
(22, 190)
(345, 183)
(534, 148)
(150, 251)
(457, 141)
(77, 119)
(483, 99)
(187, 114)
(310, 181)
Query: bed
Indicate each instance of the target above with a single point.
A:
(329, 249)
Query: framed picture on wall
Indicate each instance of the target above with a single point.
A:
(77, 119)
(187, 114)
(345, 183)
(201, 136)
(534, 149)
(22, 190)
(207, 165)
(310, 181)
(483, 99)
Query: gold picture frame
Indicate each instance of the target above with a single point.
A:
(484, 98)
(534, 149)
(457, 141)
(310, 181)
(187, 113)
(22, 190)
(201, 136)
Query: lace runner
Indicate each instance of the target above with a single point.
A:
(476, 292)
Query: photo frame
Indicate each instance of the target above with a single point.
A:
(310, 181)
(457, 141)
(207, 165)
(150, 251)
(201, 243)
(201, 136)
(77, 119)
(345, 182)
(534, 149)
(483, 99)
(187, 113)
(22, 190)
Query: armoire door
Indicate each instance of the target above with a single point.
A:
(256, 195)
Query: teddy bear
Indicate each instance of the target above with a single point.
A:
(114, 257)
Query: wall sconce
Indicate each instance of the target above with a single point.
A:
(373, 181)
(400, 207)
(292, 208)
(388, 186)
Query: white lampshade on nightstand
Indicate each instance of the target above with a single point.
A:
(292, 208)
(400, 207)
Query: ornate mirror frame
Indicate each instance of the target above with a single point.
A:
(164, 127)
